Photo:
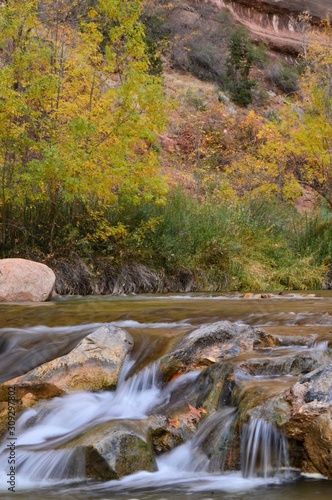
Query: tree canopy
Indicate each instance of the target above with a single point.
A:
(79, 113)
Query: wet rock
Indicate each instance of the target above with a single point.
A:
(23, 350)
(115, 449)
(264, 404)
(318, 445)
(290, 340)
(38, 391)
(211, 343)
(94, 364)
(304, 414)
(291, 364)
(319, 385)
(26, 396)
(29, 400)
(164, 435)
(219, 439)
(250, 295)
(215, 385)
(25, 280)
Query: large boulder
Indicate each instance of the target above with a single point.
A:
(310, 419)
(94, 364)
(24, 280)
(116, 449)
(211, 343)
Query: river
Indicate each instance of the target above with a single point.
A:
(156, 322)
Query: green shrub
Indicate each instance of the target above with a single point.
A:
(285, 77)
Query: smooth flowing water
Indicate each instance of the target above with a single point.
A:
(155, 322)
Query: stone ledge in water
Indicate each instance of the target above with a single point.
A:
(290, 364)
(211, 343)
(25, 280)
(94, 364)
(116, 449)
(27, 395)
(310, 421)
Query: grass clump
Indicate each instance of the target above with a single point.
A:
(242, 246)
(192, 245)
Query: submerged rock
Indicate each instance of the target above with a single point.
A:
(94, 364)
(115, 449)
(25, 280)
(211, 343)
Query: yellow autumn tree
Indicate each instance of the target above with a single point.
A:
(79, 116)
(301, 139)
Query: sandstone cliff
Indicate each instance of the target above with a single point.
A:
(275, 21)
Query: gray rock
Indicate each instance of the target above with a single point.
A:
(211, 343)
(94, 364)
(164, 436)
(290, 364)
(115, 449)
(216, 384)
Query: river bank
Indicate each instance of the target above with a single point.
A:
(77, 276)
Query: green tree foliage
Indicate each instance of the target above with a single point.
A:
(239, 64)
(79, 115)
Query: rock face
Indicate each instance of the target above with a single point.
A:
(115, 449)
(304, 414)
(25, 280)
(310, 419)
(211, 343)
(273, 21)
(94, 364)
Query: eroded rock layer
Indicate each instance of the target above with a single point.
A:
(277, 22)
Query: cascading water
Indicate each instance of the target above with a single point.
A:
(217, 429)
(51, 424)
(264, 449)
(42, 458)
(55, 422)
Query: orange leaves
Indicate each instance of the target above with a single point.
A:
(189, 419)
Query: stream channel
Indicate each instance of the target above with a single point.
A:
(156, 323)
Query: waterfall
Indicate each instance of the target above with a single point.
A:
(264, 449)
(218, 430)
(44, 466)
(52, 423)
(321, 345)
(199, 461)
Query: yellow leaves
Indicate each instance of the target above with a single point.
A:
(104, 230)
(291, 189)
(87, 128)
